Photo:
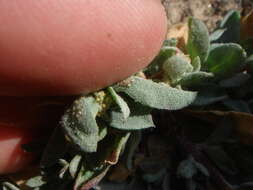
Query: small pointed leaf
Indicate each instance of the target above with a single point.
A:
(231, 23)
(165, 53)
(35, 182)
(196, 63)
(176, 66)
(217, 34)
(198, 40)
(119, 143)
(9, 186)
(86, 178)
(102, 132)
(74, 165)
(65, 166)
(120, 102)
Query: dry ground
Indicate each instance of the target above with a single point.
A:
(210, 11)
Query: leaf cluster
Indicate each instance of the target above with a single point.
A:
(140, 128)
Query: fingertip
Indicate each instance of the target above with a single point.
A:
(12, 157)
(71, 47)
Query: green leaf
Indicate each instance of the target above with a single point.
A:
(237, 105)
(140, 118)
(156, 95)
(217, 34)
(64, 168)
(196, 63)
(209, 94)
(235, 81)
(36, 181)
(55, 149)
(231, 24)
(176, 67)
(120, 102)
(172, 42)
(94, 166)
(165, 53)
(132, 145)
(225, 60)
(83, 176)
(79, 124)
(74, 165)
(195, 79)
(102, 132)
(88, 178)
(198, 40)
(249, 64)
(248, 45)
(119, 144)
(9, 186)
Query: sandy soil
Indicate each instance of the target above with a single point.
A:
(210, 11)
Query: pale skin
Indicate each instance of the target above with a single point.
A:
(66, 47)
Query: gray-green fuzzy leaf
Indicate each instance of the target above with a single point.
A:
(198, 40)
(156, 95)
(140, 118)
(204, 100)
(196, 63)
(35, 182)
(80, 125)
(224, 60)
(9, 186)
(176, 66)
(64, 168)
(195, 79)
(165, 53)
(120, 102)
(74, 165)
(217, 34)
